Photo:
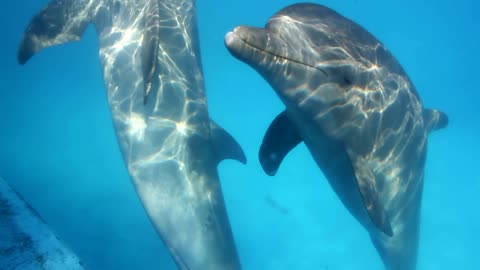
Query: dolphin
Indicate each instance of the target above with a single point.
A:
(26, 241)
(353, 105)
(149, 51)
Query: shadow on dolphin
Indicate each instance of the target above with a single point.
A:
(352, 104)
(149, 50)
(26, 241)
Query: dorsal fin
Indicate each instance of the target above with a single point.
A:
(280, 138)
(225, 146)
(434, 119)
(59, 22)
(150, 45)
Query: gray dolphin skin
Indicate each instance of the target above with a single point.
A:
(149, 50)
(352, 104)
(26, 242)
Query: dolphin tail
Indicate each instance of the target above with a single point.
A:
(59, 22)
(434, 119)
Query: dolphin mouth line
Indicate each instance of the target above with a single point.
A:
(280, 56)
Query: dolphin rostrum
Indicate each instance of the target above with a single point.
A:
(352, 104)
(149, 50)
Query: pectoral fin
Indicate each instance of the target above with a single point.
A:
(59, 22)
(434, 119)
(225, 146)
(281, 137)
(370, 196)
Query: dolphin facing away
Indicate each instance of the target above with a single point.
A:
(26, 242)
(358, 113)
(150, 54)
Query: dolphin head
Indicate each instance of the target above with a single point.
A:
(312, 55)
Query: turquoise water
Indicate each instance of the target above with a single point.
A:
(58, 148)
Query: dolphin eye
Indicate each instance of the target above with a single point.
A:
(346, 78)
(345, 81)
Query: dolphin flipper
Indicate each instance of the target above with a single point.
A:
(225, 146)
(434, 119)
(281, 137)
(59, 22)
(150, 45)
(370, 196)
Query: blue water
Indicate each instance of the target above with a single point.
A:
(58, 148)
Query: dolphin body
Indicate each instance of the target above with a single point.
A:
(149, 50)
(352, 104)
(26, 242)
